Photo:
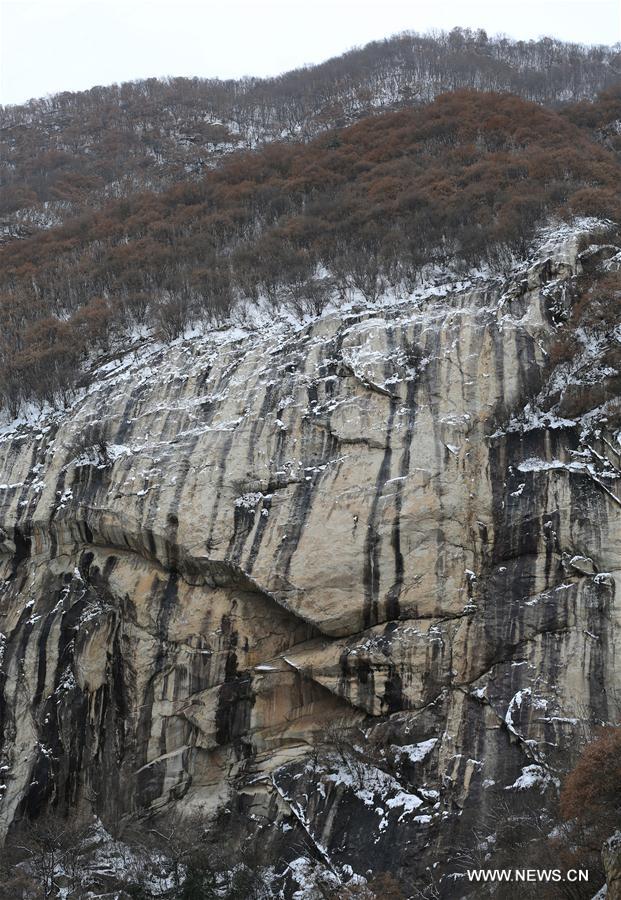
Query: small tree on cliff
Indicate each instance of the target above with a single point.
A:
(591, 794)
(45, 856)
(182, 845)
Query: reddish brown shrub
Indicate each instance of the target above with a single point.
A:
(591, 793)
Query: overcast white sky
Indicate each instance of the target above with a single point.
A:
(53, 45)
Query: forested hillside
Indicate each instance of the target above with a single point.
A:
(364, 207)
(467, 177)
(63, 154)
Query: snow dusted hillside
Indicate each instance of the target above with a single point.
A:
(64, 154)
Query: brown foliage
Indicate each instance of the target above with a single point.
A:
(599, 113)
(597, 305)
(382, 886)
(75, 146)
(591, 793)
(469, 175)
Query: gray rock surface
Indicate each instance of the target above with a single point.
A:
(230, 548)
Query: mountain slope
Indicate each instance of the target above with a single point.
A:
(468, 178)
(67, 153)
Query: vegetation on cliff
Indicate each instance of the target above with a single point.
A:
(468, 177)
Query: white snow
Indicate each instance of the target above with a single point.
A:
(533, 776)
(416, 752)
(515, 704)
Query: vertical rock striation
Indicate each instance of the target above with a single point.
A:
(232, 547)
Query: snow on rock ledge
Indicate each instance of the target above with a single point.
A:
(231, 544)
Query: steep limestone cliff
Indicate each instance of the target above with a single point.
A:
(230, 549)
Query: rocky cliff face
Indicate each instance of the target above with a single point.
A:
(230, 551)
